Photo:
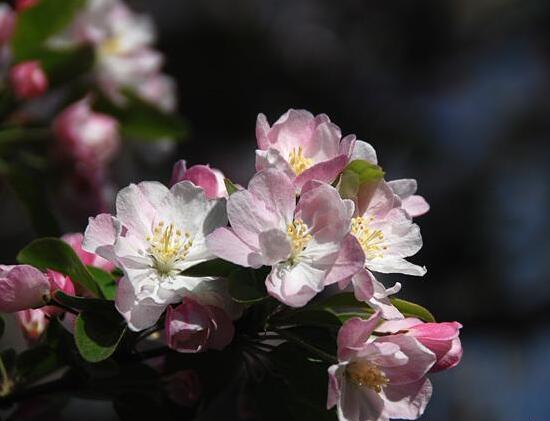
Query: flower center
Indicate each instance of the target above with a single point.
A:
(364, 373)
(298, 162)
(298, 233)
(372, 241)
(168, 246)
(111, 46)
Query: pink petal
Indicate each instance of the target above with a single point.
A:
(294, 287)
(333, 395)
(421, 359)
(415, 205)
(325, 171)
(450, 359)
(350, 261)
(407, 401)
(223, 331)
(262, 131)
(353, 335)
(275, 246)
(225, 244)
(325, 213)
(139, 314)
(100, 236)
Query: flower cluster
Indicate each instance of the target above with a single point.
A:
(84, 81)
(317, 217)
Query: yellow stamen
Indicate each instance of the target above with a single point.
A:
(299, 235)
(111, 45)
(167, 247)
(372, 241)
(298, 162)
(364, 373)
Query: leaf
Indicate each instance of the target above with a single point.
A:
(412, 310)
(357, 173)
(215, 267)
(105, 281)
(64, 65)
(55, 254)
(141, 120)
(230, 186)
(85, 304)
(245, 286)
(36, 24)
(97, 335)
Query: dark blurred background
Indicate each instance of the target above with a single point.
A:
(453, 93)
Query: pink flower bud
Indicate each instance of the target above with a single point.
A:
(210, 179)
(192, 327)
(184, 387)
(22, 287)
(60, 282)
(25, 4)
(440, 338)
(89, 259)
(90, 138)
(33, 323)
(28, 79)
(7, 23)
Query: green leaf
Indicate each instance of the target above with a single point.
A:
(36, 24)
(85, 304)
(65, 65)
(412, 310)
(97, 335)
(230, 186)
(105, 280)
(247, 286)
(55, 254)
(141, 120)
(215, 267)
(356, 174)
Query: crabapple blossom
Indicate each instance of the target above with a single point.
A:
(156, 234)
(28, 79)
(22, 287)
(125, 58)
(88, 137)
(192, 327)
(306, 147)
(441, 338)
(387, 236)
(378, 378)
(300, 241)
(33, 323)
(210, 179)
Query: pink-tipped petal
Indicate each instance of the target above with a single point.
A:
(349, 262)
(225, 244)
(353, 335)
(325, 171)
